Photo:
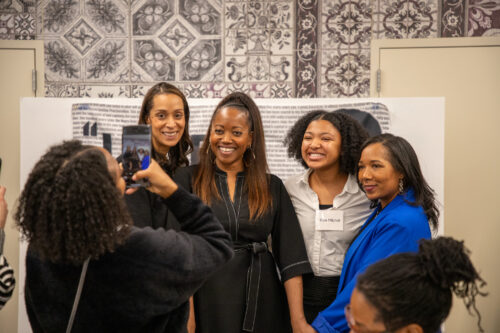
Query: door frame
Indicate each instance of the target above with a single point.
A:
(377, 45)
(38, 48)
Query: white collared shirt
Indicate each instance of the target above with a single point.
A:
(326, 248)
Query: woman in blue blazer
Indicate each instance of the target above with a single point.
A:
(389, 173)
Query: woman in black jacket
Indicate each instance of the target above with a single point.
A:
(138, 280)
(166, 110)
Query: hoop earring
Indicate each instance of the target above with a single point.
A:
(247, 161)
(211, 155)
(401, 186)
(251, 150)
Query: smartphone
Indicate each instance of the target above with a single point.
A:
(136, 152)
(107, 142)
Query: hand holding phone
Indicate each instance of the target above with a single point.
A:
(159, 182)
(136, 153)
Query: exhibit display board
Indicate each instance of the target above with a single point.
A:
(100, 124)
(48, 121)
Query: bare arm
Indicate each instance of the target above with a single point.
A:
(191, 324)
(7, 280)
(3, 216)
(293, 288)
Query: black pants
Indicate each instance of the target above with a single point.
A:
(319, 293)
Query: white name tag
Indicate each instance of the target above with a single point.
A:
(329, 219)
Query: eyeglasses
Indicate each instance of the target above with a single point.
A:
(351, 322)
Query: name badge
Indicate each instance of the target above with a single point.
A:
(329, 219)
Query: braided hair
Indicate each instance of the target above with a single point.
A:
(416, 288)
(70, 208)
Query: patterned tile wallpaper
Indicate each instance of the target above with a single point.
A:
(268, 48)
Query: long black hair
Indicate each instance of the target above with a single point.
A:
(404, 160)
(254, 159)
(177, 155)
(70, 208)
(352, 136)
(416, 288)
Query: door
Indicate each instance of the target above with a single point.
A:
(18, 59)
(466, 71)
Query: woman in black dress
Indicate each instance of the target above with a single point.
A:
(253, 206)
(165, 108)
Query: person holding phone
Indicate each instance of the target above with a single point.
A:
(7, 280)
(328, 144)
(166, 110)
(247, 294)
(404, 209)
(81, 238)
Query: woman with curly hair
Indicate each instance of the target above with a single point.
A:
(328, 144)
(247, 294)
(412, 292)
(82, 242)
(166, 110)
(404, 209)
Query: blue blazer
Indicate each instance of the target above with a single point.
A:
(397, 228)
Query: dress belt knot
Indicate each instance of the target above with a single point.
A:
(253, 282)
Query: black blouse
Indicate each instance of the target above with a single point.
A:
(280, 222)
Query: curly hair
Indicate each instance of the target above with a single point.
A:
(403, 159)
(417, 288)
(351, 132)
(257, 180)
(70, 208)
(177, 155)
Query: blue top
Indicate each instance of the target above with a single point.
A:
(397, 228)
(145, 162)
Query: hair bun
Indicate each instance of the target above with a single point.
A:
(446, 262)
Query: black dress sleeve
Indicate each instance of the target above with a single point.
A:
(288, 245)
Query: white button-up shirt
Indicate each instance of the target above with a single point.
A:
(326, 248)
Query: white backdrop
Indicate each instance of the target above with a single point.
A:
(48, 121)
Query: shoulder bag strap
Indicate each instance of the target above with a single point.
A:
(77, 297)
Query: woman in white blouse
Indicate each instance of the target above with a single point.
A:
(329, 204)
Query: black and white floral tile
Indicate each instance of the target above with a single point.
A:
(209, 48)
